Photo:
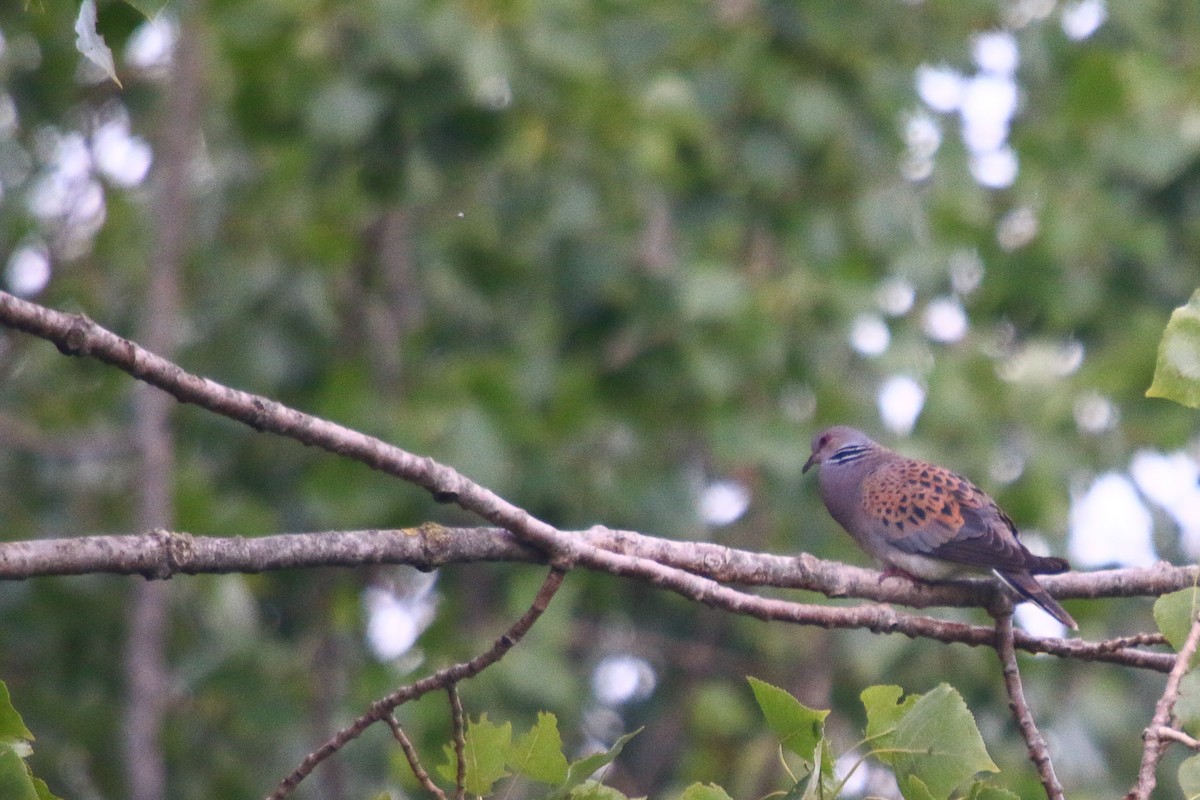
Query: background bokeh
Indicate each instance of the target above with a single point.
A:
(617, 262)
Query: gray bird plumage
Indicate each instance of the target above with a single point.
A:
(922, 519)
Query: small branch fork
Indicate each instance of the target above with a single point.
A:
(1160, 732)
(445, 679)
(460, 747)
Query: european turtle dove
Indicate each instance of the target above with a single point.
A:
(924, 520)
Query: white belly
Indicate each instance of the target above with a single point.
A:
(924, 567)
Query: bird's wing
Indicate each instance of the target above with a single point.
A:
(927, 510)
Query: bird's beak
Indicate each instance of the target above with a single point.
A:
(808, 464)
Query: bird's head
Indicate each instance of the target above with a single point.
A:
(839, 444)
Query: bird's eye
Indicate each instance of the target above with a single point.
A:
(821, 445)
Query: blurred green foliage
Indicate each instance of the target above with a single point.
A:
(595, 256)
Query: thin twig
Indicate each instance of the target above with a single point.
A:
(1039, 754)
(414, 761)
(1176, 735)
(1094, 651)
(460, 742)
(1153, 746)
(381, 708)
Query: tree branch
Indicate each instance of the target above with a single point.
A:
(460, 742)
(1039, 754)
(1154, 739)
(414, 760)
(1176, 735)
(75, 334)
(443, 678)
(162, 554)
(695, 571)
(147, 671)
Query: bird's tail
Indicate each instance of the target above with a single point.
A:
(1027, 586)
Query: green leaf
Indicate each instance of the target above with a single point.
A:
(985, 791)
(11, 724)
(90, 43)
(800, 729)
(884, 711)
(1187, 708)
(43, 791)
(913, 788)
(15, 780)
(1189, 778)
(582, 770)
(704, 791)
(937, 743)
(1177, 373)
(1174, 612)
(538, 754)
(486, 746)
